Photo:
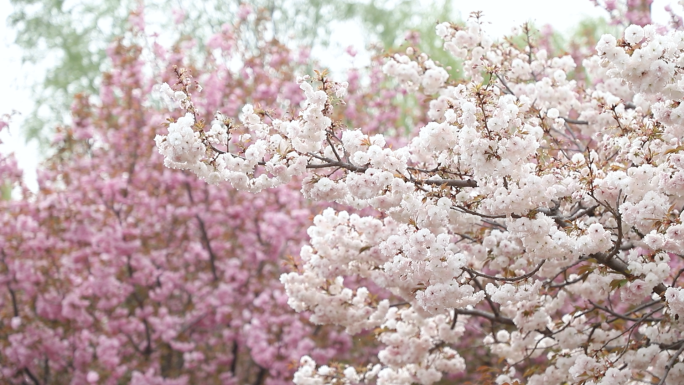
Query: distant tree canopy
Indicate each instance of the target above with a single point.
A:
(70, 38)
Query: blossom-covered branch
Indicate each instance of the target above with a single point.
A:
(541, 214)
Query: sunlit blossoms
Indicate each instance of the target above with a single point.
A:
(532, 214)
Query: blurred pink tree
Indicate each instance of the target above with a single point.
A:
(119, 270)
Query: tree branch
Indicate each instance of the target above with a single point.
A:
(205, 237)
(670, 364)
(512, 279)
(484, 314)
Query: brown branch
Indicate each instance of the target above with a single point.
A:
(451, 182)
(467, 211)
(148, 338)
(573, 121)
(621, 267)
(260, 376)
(233, 364)
(31, 376)
(15, 308)
(578, 144)
(327, 137)
(495, 224)
(348, 166)
(670, 364)
(677, 276)
(505, 85)
(46, 370)
(622, 317)
(488, 298)
(581, 213)
(616, 263)
(207, 244)
(618, 218)
(484, 314)
(672, 346)
(513, 279)
(453, 322)
(643, 306)
(135, 346)
(566, 283)
(205, 237)
(526, 29)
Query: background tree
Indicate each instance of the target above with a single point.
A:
(70, 38)
(119, 270)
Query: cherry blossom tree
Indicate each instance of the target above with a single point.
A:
(119, 270)
(627, 12)
(535, 214)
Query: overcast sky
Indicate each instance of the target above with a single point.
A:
(502, 15)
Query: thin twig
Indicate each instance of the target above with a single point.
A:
(670, 364)
(513, 279)
(484, 314)
(573, 121)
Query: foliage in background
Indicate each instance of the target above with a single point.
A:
(70, 38)
(121, 271)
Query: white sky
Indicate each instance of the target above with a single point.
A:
(14, 96)
(502, 14)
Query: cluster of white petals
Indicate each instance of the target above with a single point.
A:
(182, 148)
(543, 212)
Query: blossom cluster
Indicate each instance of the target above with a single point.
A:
(541, 214)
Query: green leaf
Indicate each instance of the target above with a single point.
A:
(618, 283)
